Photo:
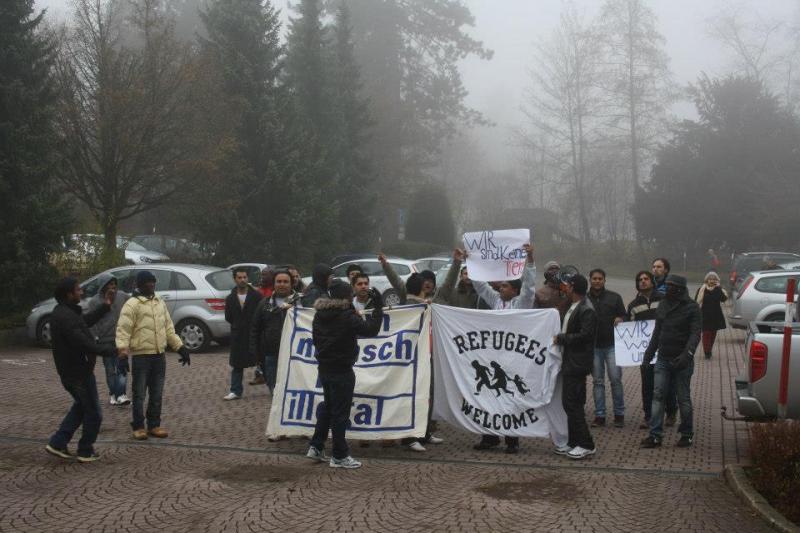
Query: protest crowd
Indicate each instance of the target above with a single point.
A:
(133, 332)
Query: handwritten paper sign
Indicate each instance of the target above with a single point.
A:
(631, 340)
(496, 255)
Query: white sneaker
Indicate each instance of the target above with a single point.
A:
(317, 455)
(435, 440)
(347, 462)
(113, 400)
(416, 446)
(579, 453)
(231, 396)
(123, 400)
(562, 450)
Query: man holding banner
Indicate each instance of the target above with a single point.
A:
(335, 328)
(577, 339)
(490, 255)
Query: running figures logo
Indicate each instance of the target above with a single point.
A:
(484, 376)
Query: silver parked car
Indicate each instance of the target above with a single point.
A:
(761, 297)
(194, 294)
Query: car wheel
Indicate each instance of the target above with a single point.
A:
(391, 298)
(43, 333)
(194, 334)
(775, 317)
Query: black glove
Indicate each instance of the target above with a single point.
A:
(123, 366)
(377, 299)
(184, 356)
(682, 361)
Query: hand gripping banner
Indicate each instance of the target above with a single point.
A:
(393, 375)
(496, 372)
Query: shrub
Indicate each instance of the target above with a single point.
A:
(775, 453)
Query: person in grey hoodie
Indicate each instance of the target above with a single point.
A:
(104, 332)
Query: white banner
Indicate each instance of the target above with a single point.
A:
(631, 340)
(496, 255)
(392, 389)
(496, 372)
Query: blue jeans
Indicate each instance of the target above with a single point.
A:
(604, 361)
(334, 413)
(665, 378)
(270, 366)
(85, 410)
(237, 378)
(149, 372)
(116, 382)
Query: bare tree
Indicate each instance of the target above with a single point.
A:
(562, 105)
(123, 111)
(637, 80)
(752, 43)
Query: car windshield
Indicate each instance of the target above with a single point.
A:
(134, 247)
(221, 280)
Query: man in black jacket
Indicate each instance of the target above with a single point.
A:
(240, 306)
(675, 338)
(321, 278)
(335, 329)
(610, 312)
(576, 339)
(74, 352)
(267, 325)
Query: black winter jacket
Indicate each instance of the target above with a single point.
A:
(578, 341)
(267, 326)
(644, 308)
(74, 347)
(678, 324)
(608, 306)
(240, 318)
(335, 328)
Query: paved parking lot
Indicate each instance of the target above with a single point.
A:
(217, 471)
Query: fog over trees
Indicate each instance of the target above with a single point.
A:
(293, 134)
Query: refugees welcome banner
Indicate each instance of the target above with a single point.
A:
(392, 390)
(496, 372)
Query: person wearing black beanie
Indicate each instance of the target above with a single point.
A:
(335, 329)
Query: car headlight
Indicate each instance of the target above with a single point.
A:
(145, 259)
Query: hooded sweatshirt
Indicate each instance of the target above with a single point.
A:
(318, 286)
(105, 329)
(335, 329)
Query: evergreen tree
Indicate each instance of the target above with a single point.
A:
(266, 181)
(352, 122)
(33, 214)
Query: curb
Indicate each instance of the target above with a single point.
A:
(738, 481)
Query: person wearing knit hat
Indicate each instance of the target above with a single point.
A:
(335, 329)
(675, 338)
(144, 332)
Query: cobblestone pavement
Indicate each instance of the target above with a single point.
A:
(217, 472)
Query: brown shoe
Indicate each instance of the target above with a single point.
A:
(599, 421)
(669, 421)
(139, 434)
(258, 380)
(159, 433)
(619, 421)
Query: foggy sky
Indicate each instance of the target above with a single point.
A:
(511, 27)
